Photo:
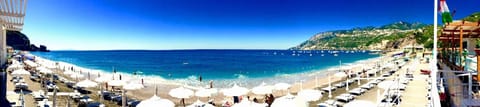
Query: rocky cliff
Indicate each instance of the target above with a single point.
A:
(388, 36)
(19, 41)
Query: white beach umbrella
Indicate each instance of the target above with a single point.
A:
(40, 68)
(133, 86)
(20, 72)
(181, 92)
(340, 74)
(77, 76)
(289, 101)
(116, 83)
(46, 71)
(385, 84)
(87, 83)
(14, 66)
(360, 103)
(155, 101)
(235, 91)
(310, 95)
(262, 89)
(30, 63)
(102, 79)
(199, 103)
(282, 86)
(247, 103)
(205, 92)
(68, 72)
(389, 65)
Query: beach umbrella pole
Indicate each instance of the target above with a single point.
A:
(329, 87)
(54, 97)
(124, 97)
(358, 79)
(348, 75)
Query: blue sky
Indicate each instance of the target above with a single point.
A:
(207, 24)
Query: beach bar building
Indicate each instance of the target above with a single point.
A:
(458, 63)
(12, 13)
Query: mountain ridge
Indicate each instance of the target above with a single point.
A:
(368, 37)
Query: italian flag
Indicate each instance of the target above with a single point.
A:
(446, 16)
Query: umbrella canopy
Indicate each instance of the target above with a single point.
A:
(15, 66)
(87, 83)
(117, 83)
(181, 92)
(360, 103)
(155, 101)
(20, 72)
(310, 95)
(101, 80)
(282, 86)
(199, 103)
(133, 86)
(45, 71)
(104, 78)
(68, 72)
(385, 84)
(246, 103)
(340, 74)
(262, 89)
(76, 75)
(205, 92)
(235, 91)
(30, 63)
(389, 65)
(289, 101)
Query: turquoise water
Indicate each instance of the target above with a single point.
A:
(210, 64)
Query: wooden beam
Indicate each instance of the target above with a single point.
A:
(461, 47)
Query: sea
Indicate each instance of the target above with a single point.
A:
(218, 65)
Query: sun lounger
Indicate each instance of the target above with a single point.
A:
(367, 86)
(326, 89)
(330, 102)
(324, 105)
(357, 91)
(340, 85)
(44, 103)
(373, 82)
(342, 99)
(385, 104)
(350, 81)
(21, 86)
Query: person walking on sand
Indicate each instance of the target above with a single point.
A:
(200, 78)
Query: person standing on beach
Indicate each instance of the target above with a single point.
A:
(211, 84)
(270, 100)
(200, 78)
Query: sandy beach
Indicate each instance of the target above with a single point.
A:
(164, 86)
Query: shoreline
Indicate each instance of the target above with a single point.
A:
(218, 83)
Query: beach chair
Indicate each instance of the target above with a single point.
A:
(425, 72)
